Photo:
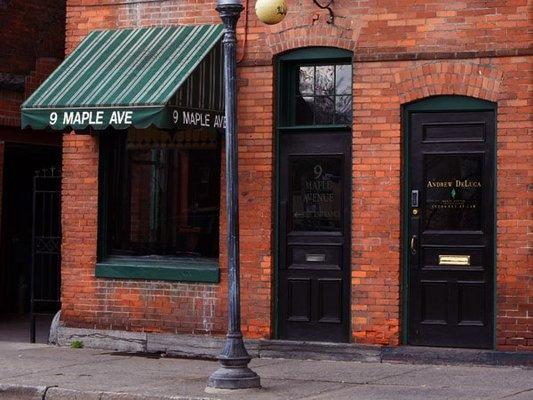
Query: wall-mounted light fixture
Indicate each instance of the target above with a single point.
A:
(271, 11)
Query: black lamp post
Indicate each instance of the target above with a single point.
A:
(234, 372)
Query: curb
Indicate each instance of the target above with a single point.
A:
(19, 392)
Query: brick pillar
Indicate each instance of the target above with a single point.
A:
(79, 214)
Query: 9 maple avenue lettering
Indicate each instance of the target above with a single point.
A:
(195, 118)
(91, 118)
(125, 117)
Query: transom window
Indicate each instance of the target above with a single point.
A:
(323, 94)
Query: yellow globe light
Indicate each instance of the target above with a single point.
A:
(271, 11)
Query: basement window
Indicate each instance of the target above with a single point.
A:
(160, 204)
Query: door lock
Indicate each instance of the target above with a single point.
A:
(414, 198)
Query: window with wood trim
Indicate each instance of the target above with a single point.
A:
(323, 94)
(315, 88)
(162, 194)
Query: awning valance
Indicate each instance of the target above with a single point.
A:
(164, 76)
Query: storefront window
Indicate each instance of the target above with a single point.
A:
(323, 95)
(163, 193)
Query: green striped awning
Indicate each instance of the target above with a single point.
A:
(167, 76)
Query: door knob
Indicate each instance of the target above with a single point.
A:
(413, 244)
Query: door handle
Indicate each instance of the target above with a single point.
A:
(413, 244)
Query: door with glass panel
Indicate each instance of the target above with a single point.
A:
(451, 229)
(314, 231)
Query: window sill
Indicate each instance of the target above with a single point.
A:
(178, 269)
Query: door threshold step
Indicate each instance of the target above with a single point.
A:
(455, 356)
(304, 350)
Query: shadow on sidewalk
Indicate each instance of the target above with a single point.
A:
(16, 328)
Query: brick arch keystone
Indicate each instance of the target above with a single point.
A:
(308, 30)
(449, 78)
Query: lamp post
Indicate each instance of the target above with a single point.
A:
(233, 372)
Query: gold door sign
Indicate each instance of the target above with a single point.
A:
(454, 260)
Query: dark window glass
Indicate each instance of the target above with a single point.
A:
(453, 192)
(324, 110)
(325, 80)
(343, 109)
(316, 193)
(163, 193)
(307, 80)
(323, 95)
(343, 81)
(305, 110)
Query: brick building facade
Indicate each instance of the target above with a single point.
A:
(401, 53)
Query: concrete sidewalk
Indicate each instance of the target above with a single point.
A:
(54, 373)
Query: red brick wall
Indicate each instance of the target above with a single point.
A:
(116, 304)
(403, 51)
(30, 29)
(10, 102)
(32, 41)
(380, 90)
(2, 151)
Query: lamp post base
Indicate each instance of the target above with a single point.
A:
(234, 378)
(234, 372)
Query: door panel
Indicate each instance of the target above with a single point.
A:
(451, 234)
(314, 238)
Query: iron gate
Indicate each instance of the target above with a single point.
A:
(46, 246)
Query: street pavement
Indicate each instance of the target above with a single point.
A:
(40, 371)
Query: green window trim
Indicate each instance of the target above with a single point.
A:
(162, 269)
(185, 270)
(286, 72)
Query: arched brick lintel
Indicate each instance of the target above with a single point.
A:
(449, 78)
(310, 36)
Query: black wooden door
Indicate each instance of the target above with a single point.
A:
(314, 241)
(451, 229)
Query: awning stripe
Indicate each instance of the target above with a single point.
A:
(120, 56)
(132, 77)
(68, 80)
(77, 58)
(153, 67)
(134, 94)
(165, 90)
(126, 84)
(193, 47)
(108, 87)
(104, 56)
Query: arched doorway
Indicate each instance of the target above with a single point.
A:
(449, 220)
(314, 194)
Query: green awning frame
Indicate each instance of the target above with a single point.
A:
(169, 76)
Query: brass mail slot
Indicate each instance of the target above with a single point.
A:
(315, 257)
(454, 260)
